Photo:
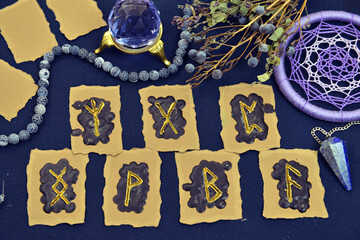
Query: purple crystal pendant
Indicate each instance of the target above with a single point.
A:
(134, 23)
(135, 27)
(335, 153)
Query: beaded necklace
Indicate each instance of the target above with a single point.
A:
(99, 62)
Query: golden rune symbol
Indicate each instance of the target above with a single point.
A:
(250, 109)
(211, 184)
(95, 112)
(59, 194)
(130, 185)
(290, 182)
(167, 117)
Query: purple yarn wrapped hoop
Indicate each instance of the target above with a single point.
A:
(342, 74)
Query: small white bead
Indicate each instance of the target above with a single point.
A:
(40, 109)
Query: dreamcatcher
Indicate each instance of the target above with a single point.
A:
(324, 80)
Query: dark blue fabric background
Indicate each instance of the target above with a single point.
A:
(54, 133)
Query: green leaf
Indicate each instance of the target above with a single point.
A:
(277, 61)
(236, 2)
(223, 7)
(254, 9)
(211, 22)
(263, 77)
(243, 10)
(288, 20)
(213, 6)
(268, 60)
(277, 34)
(272, 60)
(233, 10)
(219, 17)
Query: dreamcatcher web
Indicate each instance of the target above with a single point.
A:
(326, 64)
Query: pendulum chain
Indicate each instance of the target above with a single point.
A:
(328, 134)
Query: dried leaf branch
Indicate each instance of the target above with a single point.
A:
(261, 26)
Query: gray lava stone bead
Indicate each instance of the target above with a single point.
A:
(180, 52)
(144, 75)
(98, 62)
(42, 92)
(178, 61)
(45, 64)
(115, 71)
(44, 73)
(183, 44)
(83, 53)
(154, 75)
(91, 57)
(187, 11)
(66, 48)
(32, 128)
(164, 73)
(24, 135)
(57, 51)
(185, 25)
(43, 83)
(124, 76)
(13, 138)
(173, 68)
(3, 140)
(40, 109)
(107, 66)
(133, 77)
(49, 56)
(74, 50)
(42, 100)
(186, 35)
(37, 118)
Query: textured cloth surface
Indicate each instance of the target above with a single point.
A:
(69, 71)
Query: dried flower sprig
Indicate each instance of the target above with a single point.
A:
(260, 26)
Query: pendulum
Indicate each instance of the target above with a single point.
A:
(2, 196)
(335, 153)
(135, 27)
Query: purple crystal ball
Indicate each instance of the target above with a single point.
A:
(134, 23)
